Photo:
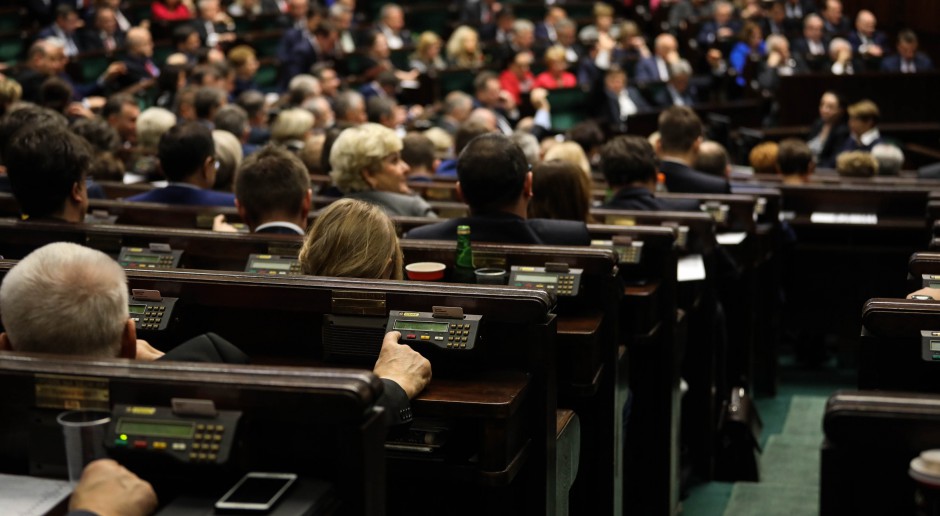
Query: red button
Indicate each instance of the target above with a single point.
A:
(140, 444)
(410, 336)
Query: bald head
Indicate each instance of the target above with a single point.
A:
(666, 44)
(139, 42)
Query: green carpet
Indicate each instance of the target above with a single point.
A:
(748, 498)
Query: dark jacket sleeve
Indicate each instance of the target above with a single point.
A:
(207, 347)
(396, 404)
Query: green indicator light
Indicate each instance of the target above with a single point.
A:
(123, 437)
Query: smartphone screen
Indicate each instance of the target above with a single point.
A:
(256, 491)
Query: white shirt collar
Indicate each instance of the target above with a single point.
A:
(280, 224)
(869, 136)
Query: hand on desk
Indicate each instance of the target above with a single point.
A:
(109, 489)
(147, 352)
(403, 365)
(933, 293)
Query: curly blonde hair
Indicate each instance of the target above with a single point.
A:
(358, 149)
(352, 239)
(457, 52)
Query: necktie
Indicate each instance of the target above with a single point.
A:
(152, 69)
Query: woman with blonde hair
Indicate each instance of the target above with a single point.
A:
(352, 239)
(463, 49)
(427, 56)
(292, 127)
(570, 152)
(556, 74)
(560, 191)
(366, 164)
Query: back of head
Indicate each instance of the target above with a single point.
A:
(272, 180)
(561, 191)
(82, 309)
(587, 134)
(55, 94)
(151, 124)
(856, 164)
(228, 152)
(763, 158)
(352, 239)
(572, 153)
(492, 171)
(712, 159)
(418, 151)
(889, 157)
(794, 157)
(628, 159)
(529, 145)
(291, 124)
(231, 118)
(466, 132)
(208, 100)
(184, 149)
(27, 117)
(44, 163)
(98, 133)
(679, 129)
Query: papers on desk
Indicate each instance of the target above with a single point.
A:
(820, 217)
(28, 496)
(730, 238)
(690, 268)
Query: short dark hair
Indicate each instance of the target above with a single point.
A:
(184, 149)
(56, 94)
(587, 134)
(479, 84)
(417, 150)
(628, 159)
(679, 127)
(468, 131)
(99, 134)
(252, 101)
(232, 118)
(907, 36)
(32, 116)
(63, 10)
(115, 103)
(272, 179)
(378, 108)
(181, 33)
(793, 157)
(491, 170)
(207, 99)
(44, 162)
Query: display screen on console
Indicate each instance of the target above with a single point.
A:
(420, 326)
(155, 428)
(274, 266)
(537, 278)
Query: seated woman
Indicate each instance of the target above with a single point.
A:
(750, 42)
(557, 74)
(291, 128)
(829, 132)
(427, 56)
(463, 49)
(352, 239)
(561, 191)
(170, 10)
(366, 164)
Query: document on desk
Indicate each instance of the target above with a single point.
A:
(731, 238)
(690, 268)
(819, 217)
(28, 496)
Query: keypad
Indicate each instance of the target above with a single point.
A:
(151, 318)
(206, 443)
(165, 262)
(457, 336)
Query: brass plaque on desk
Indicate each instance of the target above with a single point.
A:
(72, 392)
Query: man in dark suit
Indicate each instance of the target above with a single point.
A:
(272, 192)
(66, 23)
(835, 23)
(187, 157)
(545, 30)
(495, 180)
(141, 70)
(392, 24)
(655, 68)
(629, 165)
(721, 29)
(680, 134)
(621, 100)
(863, 127)
(101, 326)
(104, 35)
(300, 49)
(213, 25)
(866, 39)
(908, 59)
(812, 47)
(679, 90)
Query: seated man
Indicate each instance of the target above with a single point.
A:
(795, 161)
(272, 192)
(629, 165)
(187, 157)
(863, 127)
(493, 177)
(713, 159)
(680, 134)
(47, 165)
(85, 291)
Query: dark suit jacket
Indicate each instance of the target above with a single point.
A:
(892, 63)
(174, 194)
(90, 40)
(609, 111)
(212, 348)
(646, 71)
(683, 179)
(541, 33)
(296, 55)
(816, 63)
(137, 70)
(663, 98)
(708, 34)
(833, 144)
(640, 198)
(506, 228)
(879, 39)
(852, 145)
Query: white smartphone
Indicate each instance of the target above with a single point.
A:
(256, 492)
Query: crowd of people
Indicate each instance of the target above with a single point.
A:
(197, 124)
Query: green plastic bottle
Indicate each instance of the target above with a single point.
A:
(463, 272)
